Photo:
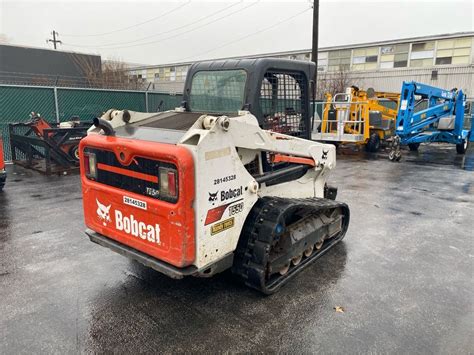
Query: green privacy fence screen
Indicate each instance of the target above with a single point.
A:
(88, 104)
(61, 104)
(57, 104)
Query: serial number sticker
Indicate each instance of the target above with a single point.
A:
(225, 179)
(134, 202)
(222, 226)
(237, 208)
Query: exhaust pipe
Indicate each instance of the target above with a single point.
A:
(104, 125)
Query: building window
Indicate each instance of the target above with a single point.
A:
(422, 54)
(394, 56)
(444, 60)
(172, 69)
(157, 76)
(416, 63)
(422, 47)
(322, 61)
(339, 60)
(400, 60)
(453, 51)
(365, 58)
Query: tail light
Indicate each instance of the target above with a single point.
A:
(168, 182)
(90, 165)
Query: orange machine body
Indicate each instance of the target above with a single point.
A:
(140, 219)
(39, 125)
(3, 173)
(2, 159)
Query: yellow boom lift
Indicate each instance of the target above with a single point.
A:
(357, 116)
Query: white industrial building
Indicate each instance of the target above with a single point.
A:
(445, 61)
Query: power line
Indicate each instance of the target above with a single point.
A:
(164, 32)
(246, 36)
(132, 26)
(170, 37)
(54, 40)
(179, 27)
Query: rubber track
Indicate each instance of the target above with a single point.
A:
(258, 234)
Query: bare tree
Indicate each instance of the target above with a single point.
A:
(89, 68)
(113, 74)
(333, 82)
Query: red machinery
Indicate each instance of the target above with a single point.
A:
(46, 147)
(39, 125)
(3, 173)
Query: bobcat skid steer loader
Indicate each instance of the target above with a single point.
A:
(228, 180)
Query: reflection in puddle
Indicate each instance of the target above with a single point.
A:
(428, 154)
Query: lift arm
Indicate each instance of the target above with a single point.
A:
(441, 103)
(373, 98)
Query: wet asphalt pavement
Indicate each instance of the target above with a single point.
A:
(403, 274)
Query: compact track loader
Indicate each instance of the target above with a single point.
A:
(228, 180)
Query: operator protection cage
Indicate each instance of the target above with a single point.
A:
(276, 91)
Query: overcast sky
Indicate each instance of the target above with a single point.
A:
(155, 32)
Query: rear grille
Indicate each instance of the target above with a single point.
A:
(112, 173)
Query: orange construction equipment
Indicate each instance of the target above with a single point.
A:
(38, 124)
(3, 173)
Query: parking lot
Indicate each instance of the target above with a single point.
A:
(403, 274)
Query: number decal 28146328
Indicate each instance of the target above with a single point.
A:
(225, 179)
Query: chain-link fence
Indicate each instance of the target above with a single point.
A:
(119, 80)
(59, 104)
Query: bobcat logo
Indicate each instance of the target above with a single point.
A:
(325, 155)
(213, 196)
(103, 212)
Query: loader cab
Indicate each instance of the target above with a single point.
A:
(276, 91)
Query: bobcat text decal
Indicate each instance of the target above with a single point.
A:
(231, 193)
(129, 224)
(225, 195)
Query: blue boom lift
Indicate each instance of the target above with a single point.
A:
(441, 121)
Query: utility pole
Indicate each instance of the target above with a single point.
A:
(54, 40)
(314, 54)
